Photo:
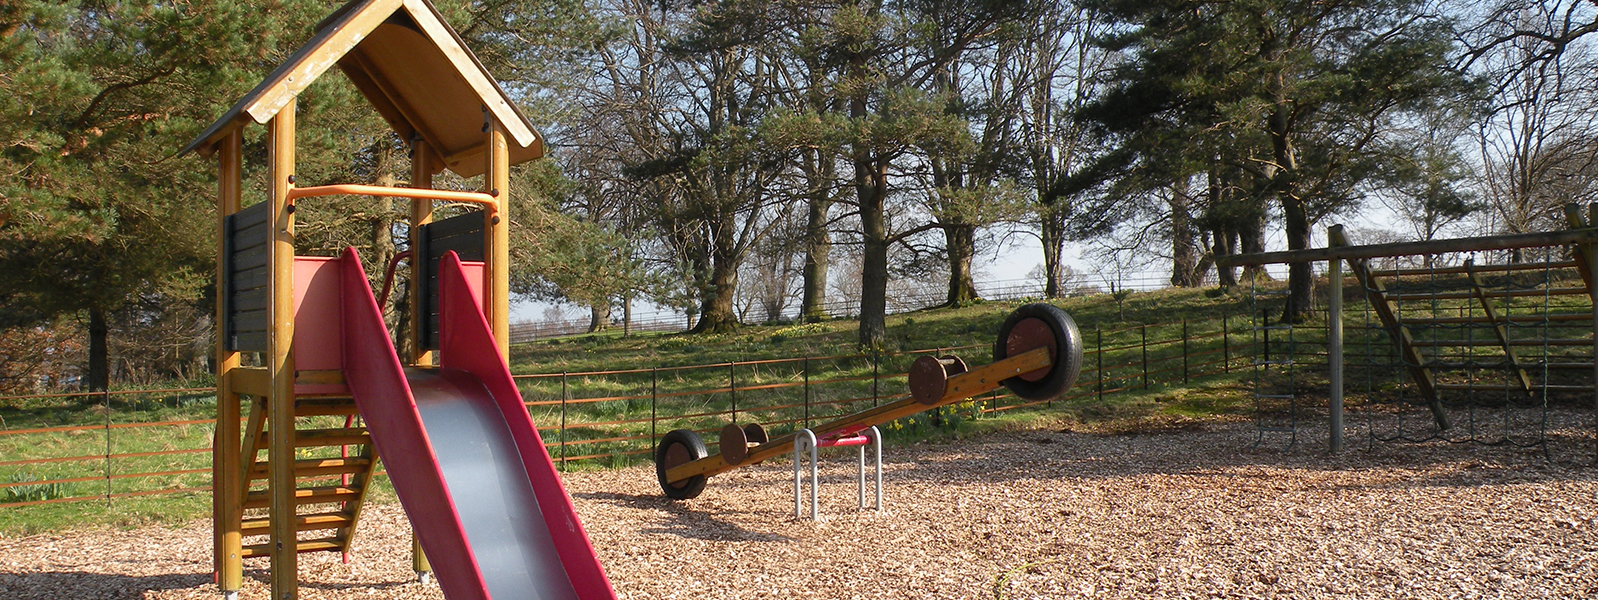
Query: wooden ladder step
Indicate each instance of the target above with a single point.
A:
(316, 545)
(1492, 342)
(325, 406)
(1489, 387)
(317, 438)
(1478, 269)
(302, 496)
(1491, 295)
(342, 436)
(311, 522)
(1510, 318)
(315, 466)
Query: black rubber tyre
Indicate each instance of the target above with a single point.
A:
(1067, 352)
(678, 442)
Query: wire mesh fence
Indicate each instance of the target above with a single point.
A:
(899, 301)
(109, 445)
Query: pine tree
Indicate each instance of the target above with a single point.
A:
(98, 209)
(1298, 95)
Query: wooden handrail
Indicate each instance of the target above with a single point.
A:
(1491, 242)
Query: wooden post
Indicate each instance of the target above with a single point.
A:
(1385, 310)
(227, 487)
(1586, 258)
(421, 214)
(280, 365)
(1574, 220)
(496, 245)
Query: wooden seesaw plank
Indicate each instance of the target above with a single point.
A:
(976, 382)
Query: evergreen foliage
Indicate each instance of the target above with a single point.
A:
(706, 153)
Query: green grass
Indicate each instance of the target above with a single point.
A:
(970, 325)
(842, 380)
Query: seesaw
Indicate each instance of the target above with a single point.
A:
(1037, 356)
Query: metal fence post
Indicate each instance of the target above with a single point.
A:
(1144, 331)
(1184, 351)
(105, 399)
(807, 391)
(732, 388)
(1099, 358)
(876, 367)
(563, 394)
(1334, 354)
(1226, 344)
(654, 395)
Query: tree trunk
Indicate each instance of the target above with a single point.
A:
(818, 248)
(1053, 234)
(627, 315)
(775, 297)
(1295, 217)
(1225, 244)
(1184, 252)
(871, 188)
(598, 318)
(1300, 278)
(383, 250)
(402, 325)
(870, 184)
(961, 242)
(1251, 240)
(99, 351)
(716, 313)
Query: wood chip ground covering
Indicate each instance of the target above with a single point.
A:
(1029, 514)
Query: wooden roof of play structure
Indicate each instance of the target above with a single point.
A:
(412, 67)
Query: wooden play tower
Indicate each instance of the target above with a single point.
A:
(417, 73)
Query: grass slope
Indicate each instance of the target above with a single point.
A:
(607, 416)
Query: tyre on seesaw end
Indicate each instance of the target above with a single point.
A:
(1041, 326)
(680, 447)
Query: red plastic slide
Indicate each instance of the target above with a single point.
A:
(463, 454)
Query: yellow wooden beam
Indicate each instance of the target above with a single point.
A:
(321, 53)
(496, 245)
(1389, 315)
(227, 501)
(252, 445)
(280, 361)
(251, 381)
(422, 169)
(329, 377)
(972, 383)
(421, 214)
(1575, 220)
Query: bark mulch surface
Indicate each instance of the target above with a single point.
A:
(1027, 514)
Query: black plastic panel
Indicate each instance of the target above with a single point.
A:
(464, 235)
(246, 297)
